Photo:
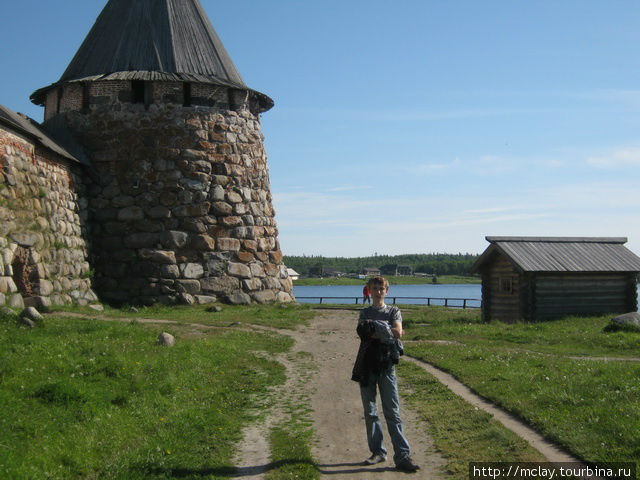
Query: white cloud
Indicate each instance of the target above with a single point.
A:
(620, 158)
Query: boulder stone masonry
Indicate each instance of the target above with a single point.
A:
(179, 198)
(43, 215)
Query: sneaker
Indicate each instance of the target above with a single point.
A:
(407, 465)
(375, 458)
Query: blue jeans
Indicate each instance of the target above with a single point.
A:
(387, 383)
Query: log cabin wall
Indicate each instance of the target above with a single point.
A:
(504, 291)
(557, 295)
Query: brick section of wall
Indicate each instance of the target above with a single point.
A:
(42, 227)
(102, 93)
(71, 98)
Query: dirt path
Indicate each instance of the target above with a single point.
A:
(341, 444)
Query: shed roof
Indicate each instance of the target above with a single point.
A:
(153, 40)
(28, 127)
(563, 254)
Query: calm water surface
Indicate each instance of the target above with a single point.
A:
(330, 292)
(437, 293)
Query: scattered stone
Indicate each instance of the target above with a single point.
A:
(166, 339)
(213, 309)
(133, 310)
(97, 307)
(629, 322)
(27, 322)
(32, 314)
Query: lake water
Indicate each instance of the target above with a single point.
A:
(331, 293)
(420, 293)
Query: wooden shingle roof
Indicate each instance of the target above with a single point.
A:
(563, 254)
(29, 128)
(170, 40)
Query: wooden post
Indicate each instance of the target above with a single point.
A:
(464, 304)
(320, 300)
(446, 302)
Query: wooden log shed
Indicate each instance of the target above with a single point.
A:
(539, 278)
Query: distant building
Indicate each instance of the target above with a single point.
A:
(371, 272)
(538, 278)
(331, 272)
(293, 275)
(404, 270)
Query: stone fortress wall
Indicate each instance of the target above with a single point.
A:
(43, 226)
(179, 199)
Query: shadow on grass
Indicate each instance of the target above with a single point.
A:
(221, 472)
(239, 472)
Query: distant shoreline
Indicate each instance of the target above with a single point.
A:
(393, 280)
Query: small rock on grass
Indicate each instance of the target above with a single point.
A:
(32, 314)
(97, 307)
(214, 309)
(166, 339)
(629, 322)
(27, 322)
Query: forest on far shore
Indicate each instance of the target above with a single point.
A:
(428, 263)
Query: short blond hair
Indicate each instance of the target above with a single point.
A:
(378, 280)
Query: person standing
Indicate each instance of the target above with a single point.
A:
(366, 295)
(380, 328)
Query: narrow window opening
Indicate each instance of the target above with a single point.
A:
(138, 91)
(59, 100)
(186, 94)
(85, 97)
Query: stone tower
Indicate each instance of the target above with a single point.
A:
(179, 197)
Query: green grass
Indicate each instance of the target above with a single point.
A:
(393, 280)
(276, 316)
(291, 437)
(461, 432)
(589, 406)
(92, 399)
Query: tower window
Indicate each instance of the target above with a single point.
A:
(59, 100)
(85, 97)
(186, 91)
(137, 87)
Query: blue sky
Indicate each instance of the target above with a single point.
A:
(413, 126)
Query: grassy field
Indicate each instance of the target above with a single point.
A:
(97, 399)
(400, 280)
(550, 374)
(88, 398)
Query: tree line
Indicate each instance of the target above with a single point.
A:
(430, 263)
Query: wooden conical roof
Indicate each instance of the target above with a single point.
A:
(170, 40)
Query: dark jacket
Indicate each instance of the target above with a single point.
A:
(374, 354)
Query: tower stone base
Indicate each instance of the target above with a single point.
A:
(179, 201)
